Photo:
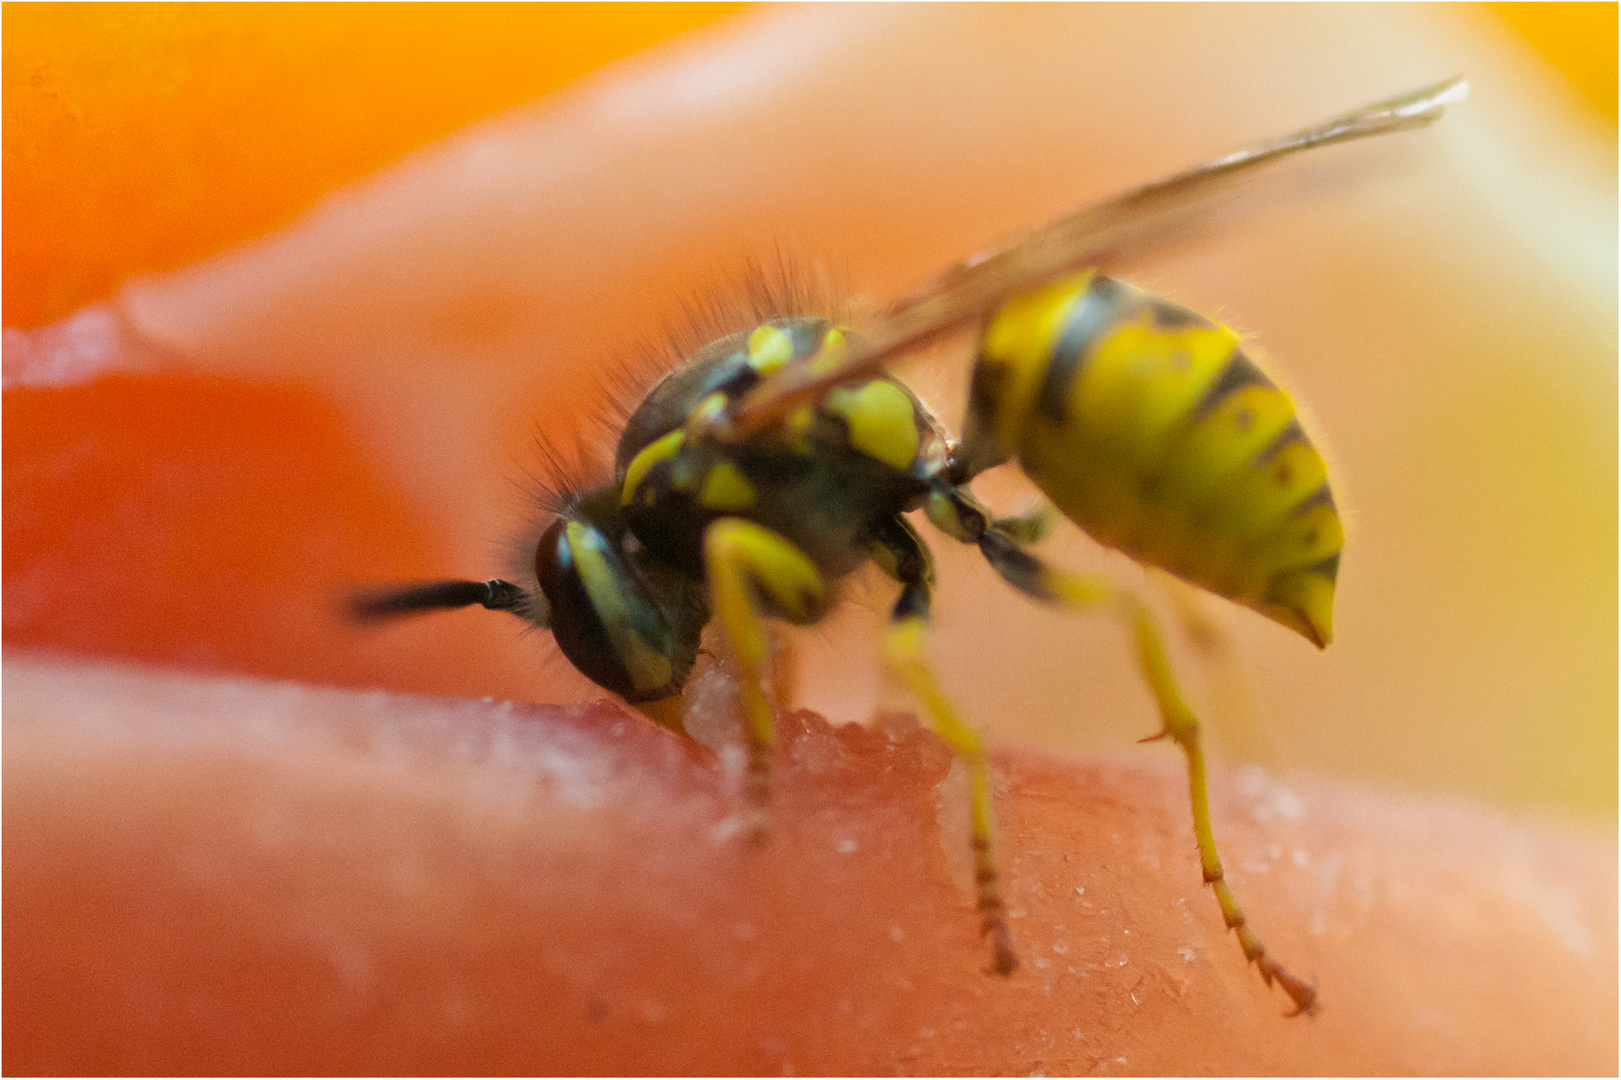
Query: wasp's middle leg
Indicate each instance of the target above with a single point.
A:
(902, 555)
(754, 572)
(955, 512)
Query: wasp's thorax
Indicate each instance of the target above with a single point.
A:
(822, 478)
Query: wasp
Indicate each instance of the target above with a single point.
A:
(779, 458)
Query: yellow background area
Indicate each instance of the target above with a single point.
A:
(1577, 40)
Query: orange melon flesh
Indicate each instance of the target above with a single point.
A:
(213, 875)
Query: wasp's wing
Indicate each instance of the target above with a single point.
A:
(974, 288)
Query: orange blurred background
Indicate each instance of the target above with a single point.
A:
(140, 139)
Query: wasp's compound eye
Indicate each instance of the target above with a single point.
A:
(600, 618)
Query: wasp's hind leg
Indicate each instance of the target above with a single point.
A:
(902, 555)
(955, 512)
(755, 573)
(1230, 698)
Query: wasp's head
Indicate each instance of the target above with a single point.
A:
(605, 617)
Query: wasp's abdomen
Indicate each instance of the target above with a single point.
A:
(1149, 427)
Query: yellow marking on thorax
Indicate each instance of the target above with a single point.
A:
(769, 348)
(649, 669)
(707, 411)
(799, 424)
(726, 488)
(882, 422)
(832, 352)
(661, 449)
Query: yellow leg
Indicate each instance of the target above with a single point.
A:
(1182, 726)
(752, 572)
(784, 673)
(1086, 592)
(903, 649)
(898, 551)
(1241, 729)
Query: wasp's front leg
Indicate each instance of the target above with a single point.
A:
(755, 573)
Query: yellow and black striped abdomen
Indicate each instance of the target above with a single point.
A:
(1149, 427)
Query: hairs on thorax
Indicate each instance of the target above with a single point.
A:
(567, 464)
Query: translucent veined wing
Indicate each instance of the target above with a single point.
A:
(974, 288)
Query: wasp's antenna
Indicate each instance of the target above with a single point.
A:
(495, 594)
